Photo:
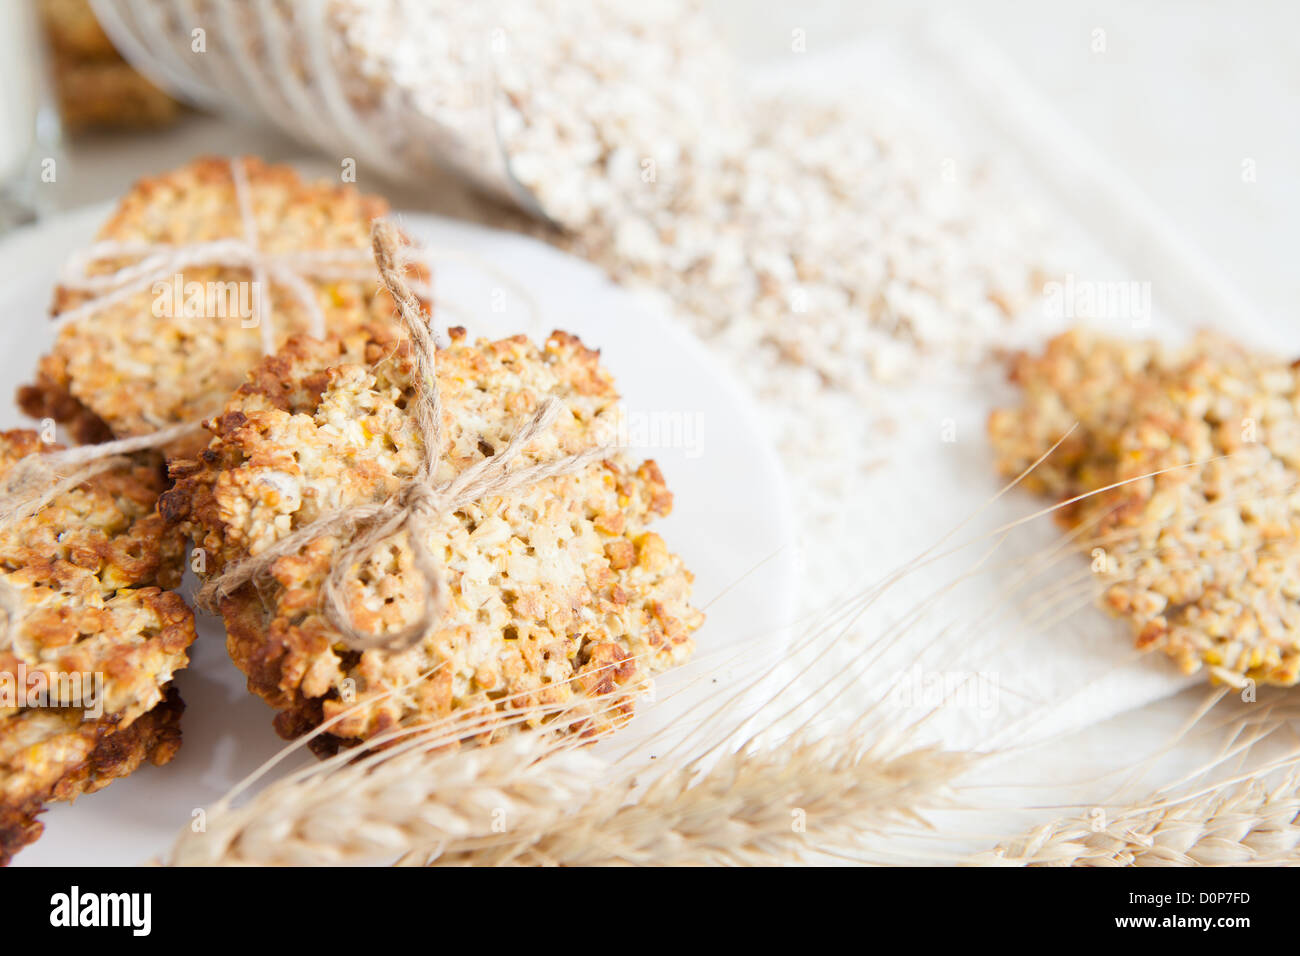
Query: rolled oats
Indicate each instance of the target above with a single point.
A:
(813, 238)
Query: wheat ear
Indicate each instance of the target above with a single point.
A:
(753, 804)
(758, 805)
(393, 801)
(1231, 824)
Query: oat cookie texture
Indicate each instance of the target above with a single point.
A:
(91, 577)
(1203, 561)
(556, 590)
(149, 361)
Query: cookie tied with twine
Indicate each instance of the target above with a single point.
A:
(201, 273)
(418, 502)
(159, 262)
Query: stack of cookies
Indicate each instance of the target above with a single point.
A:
(555, 594)
(556, 589)
(94, 632)
(95, 86)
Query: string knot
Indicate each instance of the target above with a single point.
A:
(159, 262)
(421, 500)
(417, 504)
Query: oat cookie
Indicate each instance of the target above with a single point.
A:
(73, 31)
(144, 363)
(554, 588)
(1203, 561)
(90, 575)
(96, 87)
(110, 94)
(56, 754)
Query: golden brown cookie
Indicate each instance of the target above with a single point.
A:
(57, 755)
(555, 589)
(73, 31)
(109, 94)
(96, 636)
(175, 351)
(96, 87)
(1203, 560)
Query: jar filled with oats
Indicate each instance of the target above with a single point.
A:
(552, 105)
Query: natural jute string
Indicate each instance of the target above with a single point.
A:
(157, 262)
(419, 501)
(290, 269)
(37, 480)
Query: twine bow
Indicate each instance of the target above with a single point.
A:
(157, 262)
(35, 481)
(419, 502)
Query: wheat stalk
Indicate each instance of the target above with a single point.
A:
(393, 801)
(1233, 823)
(466, 774)
(534, 798)
(417, 791)
(419, 795)
(758, 805)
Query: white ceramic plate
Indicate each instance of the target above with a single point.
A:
(731, 521)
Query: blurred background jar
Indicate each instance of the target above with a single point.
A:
(28, 126)
(62, 78)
